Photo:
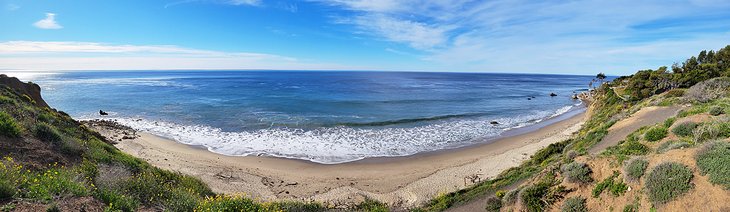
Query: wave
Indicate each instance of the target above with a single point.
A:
(408, 121)
(330, 145)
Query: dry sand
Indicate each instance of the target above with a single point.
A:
(401, 181)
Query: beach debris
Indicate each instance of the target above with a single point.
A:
(494, 122)
(473, 178)
(553, 94)
(101, 112)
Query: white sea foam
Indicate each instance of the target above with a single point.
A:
(338, 144)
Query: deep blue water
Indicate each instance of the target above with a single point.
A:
(326, 117)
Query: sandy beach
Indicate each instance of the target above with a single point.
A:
(400, 181)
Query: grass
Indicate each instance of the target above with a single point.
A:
(713, 160)
(635, 168)
(668, 181)
(684, 129)
(670, 145)
(493, 204)
(540, 196)
(716, 110)
(716, 129)
(615, 187)
(656, 133)
(47, 133)
(8, 126)
(574, 204)
(577, 172)
(41, 185)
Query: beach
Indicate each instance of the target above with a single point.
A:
(400, 181)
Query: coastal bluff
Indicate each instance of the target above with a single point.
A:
(29, 89)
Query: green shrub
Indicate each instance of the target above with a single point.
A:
(8, 126)
(577, 172)
(228, 203)
(668, 123)
(635, 168)
(510, 197)
(684, 129)
(493, 204)
(116, 200)
(53, 208)
(713, 160)
(48, 133)
(574, 204)
(670, 145)
(667, 181)
(675, 93)
(716, 110)
(7, 189)
(531, 196)
(712, 130)
(655, 133)
(616, 187)
(372, 206)
(541, 195)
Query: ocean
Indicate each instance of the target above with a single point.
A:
(320, 116)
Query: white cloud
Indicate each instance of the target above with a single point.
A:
(245, 2)
(536, 36)
(227, 2)
(48, 23)
(38, 55)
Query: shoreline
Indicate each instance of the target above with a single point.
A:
(404, 181)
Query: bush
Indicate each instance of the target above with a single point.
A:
(716, 110)
(577, 172)
(510, 197)
(713, 160)
(372, 206)
(670, 145)
(712, 130)
(655, 133)
(7, 189)
(675, 93)
(227, 203)
(116, 200)
(494, 204)
(616, 187)
(8, 126)
(667, 181)
(574, 204)
(684, 129)
(531, 196)
(635, 168)
(668, 123)
(47, 133)
(709, 90)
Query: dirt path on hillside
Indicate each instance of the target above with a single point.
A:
(644, 117)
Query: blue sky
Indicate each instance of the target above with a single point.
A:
(571, 37)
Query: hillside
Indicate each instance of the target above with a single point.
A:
(52, 162)
(655, 141)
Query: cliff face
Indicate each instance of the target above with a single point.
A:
(32, 90)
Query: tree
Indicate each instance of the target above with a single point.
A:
(601, 76)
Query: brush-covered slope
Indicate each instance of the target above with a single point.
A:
(655, 140)
(48, 161)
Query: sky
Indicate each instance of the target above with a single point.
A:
(563, 37)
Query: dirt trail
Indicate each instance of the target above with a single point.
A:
(644, 117)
